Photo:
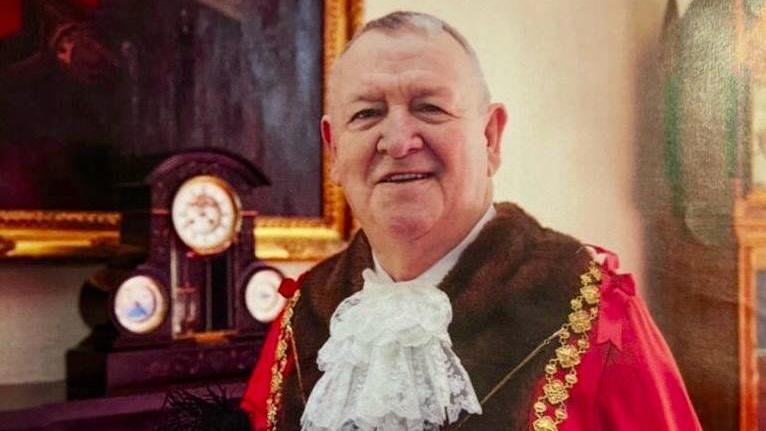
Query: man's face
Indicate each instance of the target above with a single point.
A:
(414, 143)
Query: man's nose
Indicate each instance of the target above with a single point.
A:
(400, 135)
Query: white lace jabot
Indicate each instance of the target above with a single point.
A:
(388, 364)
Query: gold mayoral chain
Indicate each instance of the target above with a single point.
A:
(561, 371)
(274, 401)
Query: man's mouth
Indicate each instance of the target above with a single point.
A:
(405, 177)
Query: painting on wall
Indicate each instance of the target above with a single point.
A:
(96, 93)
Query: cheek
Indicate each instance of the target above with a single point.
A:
(455, 154)
(351, 164)
(464, 161)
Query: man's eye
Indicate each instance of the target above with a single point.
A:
(364, 114)
(430, 109)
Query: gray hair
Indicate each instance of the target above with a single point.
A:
(400, 21)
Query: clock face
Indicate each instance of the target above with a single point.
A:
(206, 214)
(139, 305)
(262, 298)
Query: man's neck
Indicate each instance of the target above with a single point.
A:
(407, 259)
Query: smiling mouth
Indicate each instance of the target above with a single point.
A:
(405, 177)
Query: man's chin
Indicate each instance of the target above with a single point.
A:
(409, 226)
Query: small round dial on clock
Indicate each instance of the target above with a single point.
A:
(139, 305)
(262, 297)
(206, 214)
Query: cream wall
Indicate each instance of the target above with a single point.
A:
(567, 72)
(40, 319)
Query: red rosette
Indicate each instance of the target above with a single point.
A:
(288, 287)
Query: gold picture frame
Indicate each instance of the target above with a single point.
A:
(76, 234)
(750, 215)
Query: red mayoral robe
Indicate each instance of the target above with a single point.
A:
(551, 339)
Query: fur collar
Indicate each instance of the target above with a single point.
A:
(510, 289)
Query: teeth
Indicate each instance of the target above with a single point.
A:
(405, 177)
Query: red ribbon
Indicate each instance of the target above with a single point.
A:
(616, 291)
(288, 287)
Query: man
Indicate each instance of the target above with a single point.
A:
(446, 311)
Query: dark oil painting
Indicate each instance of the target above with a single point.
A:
(95, 93)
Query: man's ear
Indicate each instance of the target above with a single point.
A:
(493, 133)
(325, 128)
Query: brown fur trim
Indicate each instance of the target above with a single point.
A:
(509, 290)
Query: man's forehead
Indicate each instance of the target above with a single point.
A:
(371, 90)
(401, 55)
(400, 45)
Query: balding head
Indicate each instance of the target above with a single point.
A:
(400, 22)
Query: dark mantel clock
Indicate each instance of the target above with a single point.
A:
(195, 311)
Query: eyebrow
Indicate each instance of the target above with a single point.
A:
(432, 91)
(368, 97)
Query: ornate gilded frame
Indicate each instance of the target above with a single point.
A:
(749, 222)
(750, 225)
(57, 234)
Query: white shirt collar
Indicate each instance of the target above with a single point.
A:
(439, 270)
